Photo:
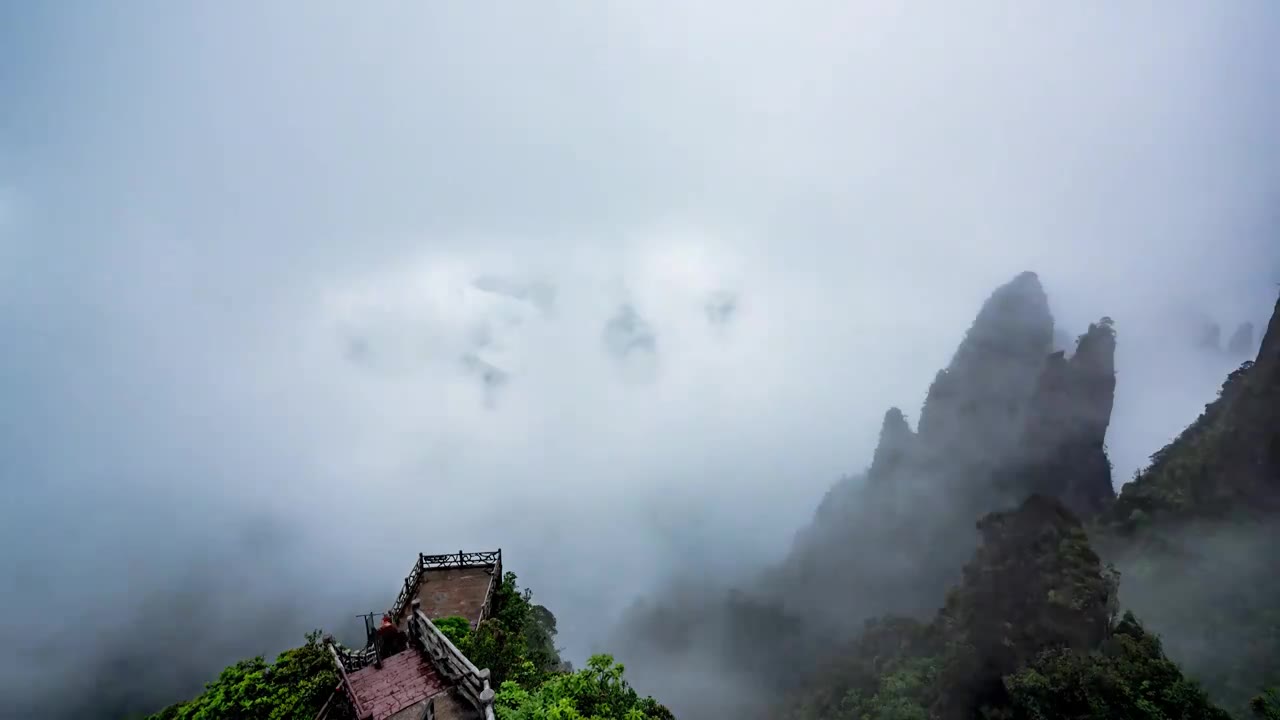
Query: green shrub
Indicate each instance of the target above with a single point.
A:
(457, 629)
(294, 687)
(597, 692)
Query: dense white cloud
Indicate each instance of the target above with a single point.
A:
(266, 259)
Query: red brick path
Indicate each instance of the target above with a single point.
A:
(403, 679)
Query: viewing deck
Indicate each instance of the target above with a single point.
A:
(449, 585)
(431, 678)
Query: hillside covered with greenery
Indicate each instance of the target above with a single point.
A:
(296, 685)
(1196, 533)
(1052, 648)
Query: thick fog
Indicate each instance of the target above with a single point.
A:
(291, 292)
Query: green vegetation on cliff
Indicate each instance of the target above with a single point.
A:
(293, 687)
(1195, 535)
(1186, 478)
(597, 692)
(516, 644)
(1030, 633)
(1127, 676)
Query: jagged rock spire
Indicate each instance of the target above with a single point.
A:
(1094, 370)
(1062, 453)
(1270, 350)
(896, 444)
(1000, 423)
(972, 411)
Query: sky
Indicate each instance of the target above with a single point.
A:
(294, 291)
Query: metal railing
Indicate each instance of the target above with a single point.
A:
(461, 559)
(491, 559)
(471, 682)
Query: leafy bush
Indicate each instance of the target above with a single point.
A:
(295, 686)
(597, 692)
(1128, 677)
(904, 694)
(1267, 705)
(517, 643)
(1030, 633)
(457, 629)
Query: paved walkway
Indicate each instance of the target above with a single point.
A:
(454, 591)
(405, 680)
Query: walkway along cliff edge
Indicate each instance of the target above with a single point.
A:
(408, 669)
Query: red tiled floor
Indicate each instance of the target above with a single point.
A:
(403, 680)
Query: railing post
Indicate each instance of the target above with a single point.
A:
(486, 694)
(361, 713)
(414, 606)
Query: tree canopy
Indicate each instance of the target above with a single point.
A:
(294, 687)
(597, 692)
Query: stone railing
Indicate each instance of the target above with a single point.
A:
(361, 712)
(490, 559)
(495, 580)
(472, 683)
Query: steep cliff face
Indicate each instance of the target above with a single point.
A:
(972, 413)
(1005, 419)
(896, 446)
(1033, 583)
(1029, 632)
(1015, 435)
(1062, 453)
(1065, 596)
(1227, 462)
(896, 449)
(1195, 534)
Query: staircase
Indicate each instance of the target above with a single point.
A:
(431, 678)
(404, 682)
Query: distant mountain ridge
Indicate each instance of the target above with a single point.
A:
(1196, 533)
(1227, 461)
(1012, 418)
